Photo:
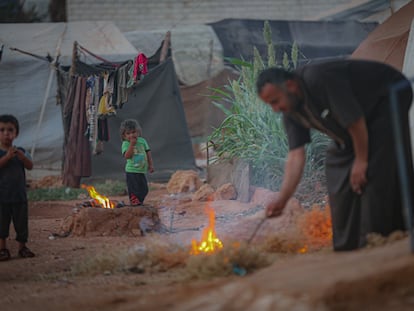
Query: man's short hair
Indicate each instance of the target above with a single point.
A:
(274, 75)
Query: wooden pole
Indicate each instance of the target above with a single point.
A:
(165, 46)
(72, 70)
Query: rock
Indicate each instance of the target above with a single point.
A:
(184, 181)
(262, 196)
(226, 192)
(205, 193)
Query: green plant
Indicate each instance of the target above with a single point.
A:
(107, 188)
(251, 131)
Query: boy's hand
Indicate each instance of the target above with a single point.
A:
(12, 152)
(20, 154)
(133, 141)
(151, 169)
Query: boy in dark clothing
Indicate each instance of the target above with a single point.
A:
(349, 101)
(13, 199)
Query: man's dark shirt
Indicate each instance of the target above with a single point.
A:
(338, 93)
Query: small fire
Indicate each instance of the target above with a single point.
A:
(316, 225)
(303, 250)
(99, 199)
(210, 242)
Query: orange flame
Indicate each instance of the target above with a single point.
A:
(210, 242)
(100, 199)
(316, 226)
(303, 250)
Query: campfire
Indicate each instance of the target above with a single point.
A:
(98, 200)
(209, 243)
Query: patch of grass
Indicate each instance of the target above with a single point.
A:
(235, 259)
(107, 188)
(142, 258)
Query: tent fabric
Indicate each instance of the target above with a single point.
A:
(191, 48)
(202, 116)
(315, 39)
(155, 102)
(196, 51)
(24, 79)
(387, 42)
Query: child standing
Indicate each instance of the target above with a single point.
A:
(13, 198)
(139, 161)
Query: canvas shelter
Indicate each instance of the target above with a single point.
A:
(388, 41)
(317, 40)
(199, 53)
(28, 85)
(31, 87)
(391, 42)
(155, 102)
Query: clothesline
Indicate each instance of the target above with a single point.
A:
(47, 58)
(97, 57)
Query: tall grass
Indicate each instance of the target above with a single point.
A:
(251, 131)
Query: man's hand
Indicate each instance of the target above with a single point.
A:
(275, 208)
(359, 134)
(358, 177)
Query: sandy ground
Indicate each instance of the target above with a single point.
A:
(378, 278)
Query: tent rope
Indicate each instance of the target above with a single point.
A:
(96, 56)
(47, 58)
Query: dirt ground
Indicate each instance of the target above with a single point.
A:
(376, 278)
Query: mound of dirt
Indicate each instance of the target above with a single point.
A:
(125, 221)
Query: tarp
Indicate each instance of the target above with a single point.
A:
(196, 51)
(387, 42)
(24, 79)
(315, 39)
(156, 104)
(201, 115)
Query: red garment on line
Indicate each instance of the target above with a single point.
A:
(140, 66)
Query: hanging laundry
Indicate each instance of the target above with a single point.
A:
(106, 108)
(138, 70)
(122, 84)
(141, 66)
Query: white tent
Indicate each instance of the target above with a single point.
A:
(28, 84)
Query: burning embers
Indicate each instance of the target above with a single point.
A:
(209, 243)
(99, 200)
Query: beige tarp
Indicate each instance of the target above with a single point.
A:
(200, 112)
(387, 43)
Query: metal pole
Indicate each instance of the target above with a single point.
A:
(403, 167)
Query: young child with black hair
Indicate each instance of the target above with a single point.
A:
(137, 153)
(13, 197)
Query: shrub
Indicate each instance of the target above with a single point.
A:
(252, 132)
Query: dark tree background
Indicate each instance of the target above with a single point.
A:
(13, 11)
(57, 10)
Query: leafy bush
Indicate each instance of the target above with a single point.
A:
(251, 131)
